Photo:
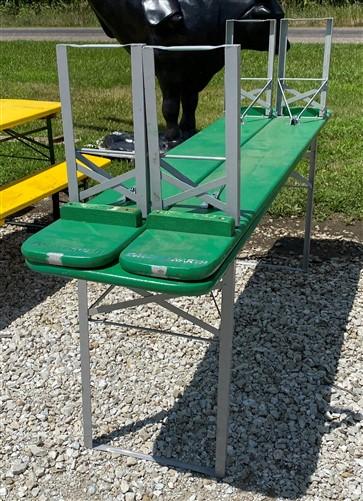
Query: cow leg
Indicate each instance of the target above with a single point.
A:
(171, 108)
(187, 123)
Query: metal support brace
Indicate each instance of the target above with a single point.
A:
(310, 96)
(256, 95)
(160, 170)
(225, 333)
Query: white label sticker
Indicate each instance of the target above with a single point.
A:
(159, 271)
(55, 258)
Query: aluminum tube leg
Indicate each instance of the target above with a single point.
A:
(224, 371)
(310, 205)
(85, 363)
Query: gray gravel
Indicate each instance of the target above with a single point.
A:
(297, 396)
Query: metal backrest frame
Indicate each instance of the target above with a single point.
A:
(160, 169)
(76, 160)
(256, 95)
(283, 101)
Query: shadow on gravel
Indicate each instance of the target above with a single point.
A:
(287, 343)
(288, 337)
(21, 289)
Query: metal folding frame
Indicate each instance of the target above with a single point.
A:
(76, 160)
(282, 101)
(145, 111)
(256, 95)
(169, 174)
(225, 335)
(309, 97)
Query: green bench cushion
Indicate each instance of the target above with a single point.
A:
(180, 246)
(86, 236)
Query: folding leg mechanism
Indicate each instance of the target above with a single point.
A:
(225, 333)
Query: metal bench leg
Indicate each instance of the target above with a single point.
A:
(85, 363)
(310, 205)
(224, 376)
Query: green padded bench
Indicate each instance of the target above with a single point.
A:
(85, 236)
(154, 256)
(180, 246)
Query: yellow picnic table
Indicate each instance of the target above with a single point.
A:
(24, 192)
(15, 112)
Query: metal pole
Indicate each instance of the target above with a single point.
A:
(284, 27)
(50, 141)
(326, 63)
(270, 65)
(85, 363)
(138, 104)
(310, 204)
(233, 130)
(152, 128)
(224, 371)
(230, 31)
(65, 96)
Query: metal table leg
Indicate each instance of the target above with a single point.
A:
(225, 357)
(224, 377)
(85, 363)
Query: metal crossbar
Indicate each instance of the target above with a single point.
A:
(161, 300)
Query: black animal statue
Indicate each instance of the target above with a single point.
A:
(183, 75)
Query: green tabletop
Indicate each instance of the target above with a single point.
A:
(270, 150)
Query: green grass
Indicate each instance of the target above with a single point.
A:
(101, 103)
(349, 14)
(78, 13)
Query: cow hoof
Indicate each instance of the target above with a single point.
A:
(172, 134)
(186, 134)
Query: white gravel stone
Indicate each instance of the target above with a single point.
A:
(124, 486)
(19, 468)
(37, 451)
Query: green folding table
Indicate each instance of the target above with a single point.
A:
(174, 225)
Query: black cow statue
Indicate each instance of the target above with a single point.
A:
(183, 75)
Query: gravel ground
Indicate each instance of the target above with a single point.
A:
(297, 396)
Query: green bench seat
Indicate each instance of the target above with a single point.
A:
(86, 236)
(180, 246)
(268, 157)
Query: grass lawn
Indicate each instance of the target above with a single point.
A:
(79, 13)
(101, 102)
